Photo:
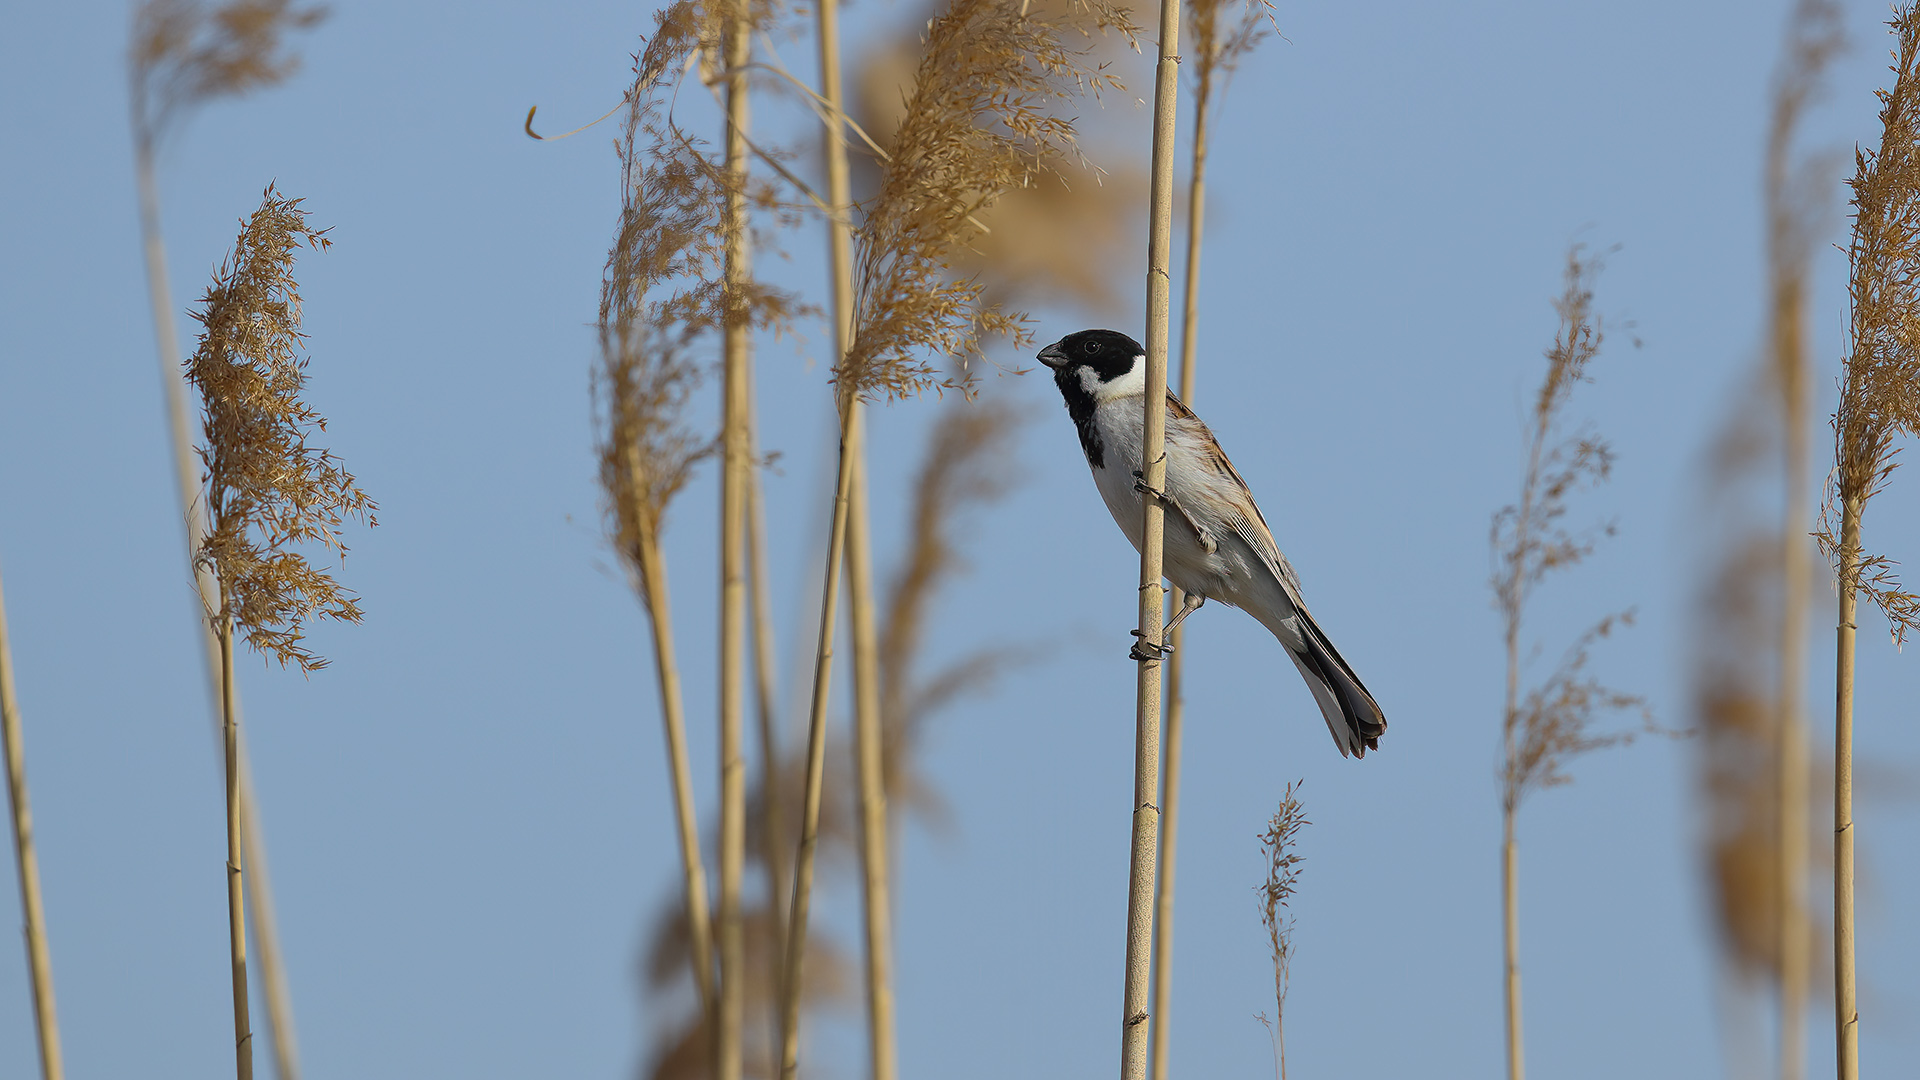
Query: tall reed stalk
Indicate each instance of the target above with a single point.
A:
(1545, 725)
(181, 56)
(1217, 50)
(1879, 402)
(738, 43)
(1135, 1006)
(975, 127)
(1812, 37)
(46, 1024)
(268, 490)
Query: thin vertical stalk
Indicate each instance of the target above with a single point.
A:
(27, 865)
(870, 775)
(733, 788)
(673, 718)
(1845, 995)
(760, 614)
(1510, 921)
(186, 473)
(1176, 667)
(1152, 595)
(793, 972)
(236, 895)
(840, 270)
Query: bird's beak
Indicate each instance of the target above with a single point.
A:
(1053, 357)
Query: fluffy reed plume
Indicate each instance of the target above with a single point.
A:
(183, 54)
(963, 469)
(1283, 876)
(665, 239)
(46, 1025)
(268, 492)
(1879, 402)
(976, 126)
(1553, 721)
(1063, 238)
(1795, 195)
(1219, 43)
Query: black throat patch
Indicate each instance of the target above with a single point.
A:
(1080, 407)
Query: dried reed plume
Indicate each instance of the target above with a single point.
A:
(1795, 194)
(181, 56)
(1283, 876)
(46, 1025)
(1553, 722)
(982, 121)
(656, 302)
(1218, 48)
(1879, 402)
(267, 491)
(976, 125)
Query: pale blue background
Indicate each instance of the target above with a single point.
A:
(467, 813)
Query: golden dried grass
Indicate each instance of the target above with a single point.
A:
(269, 489)
(184, 54)
(1278, 849)
(983, 120)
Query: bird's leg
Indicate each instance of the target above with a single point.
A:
(1143, 651)
(1187, 607)
(1207, 543)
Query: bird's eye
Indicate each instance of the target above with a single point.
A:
(1090, 347)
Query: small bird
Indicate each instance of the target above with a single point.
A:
(1217, 545)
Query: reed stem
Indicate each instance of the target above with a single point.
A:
(653, 570)
(1176, 665)
(236, 895)
(187, 476)
(46, 1024)
(1845, 994)
(792, 971)
(1152, 595)
(1510, 922)
(760, 613)
(733, 788)
(869, 772)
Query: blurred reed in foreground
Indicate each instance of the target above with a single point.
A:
(269, 491)
(33, 915)
(1546, 725)
(184, 54)
(1879, 403)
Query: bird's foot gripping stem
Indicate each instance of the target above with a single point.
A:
(1144, 650)
(1207, 543)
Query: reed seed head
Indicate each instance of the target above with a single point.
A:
(184, 53)
(269, 489)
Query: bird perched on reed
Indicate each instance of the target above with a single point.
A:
(1217, 544)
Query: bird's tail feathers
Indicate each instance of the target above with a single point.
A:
(1352, 715)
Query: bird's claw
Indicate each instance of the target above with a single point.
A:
(1140, 485)
(1144, 650)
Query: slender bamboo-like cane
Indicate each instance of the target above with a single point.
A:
(870, 774)
(1152, 595)
(1510, 922)
(39, 961)
(840, 270)
(236, 895)
(793, 972)
(653, 570)
(760, 613)
(259, 887)
(1846, 1005)
(733, 787)
(1176, 700)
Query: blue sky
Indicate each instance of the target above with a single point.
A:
(467, 812)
